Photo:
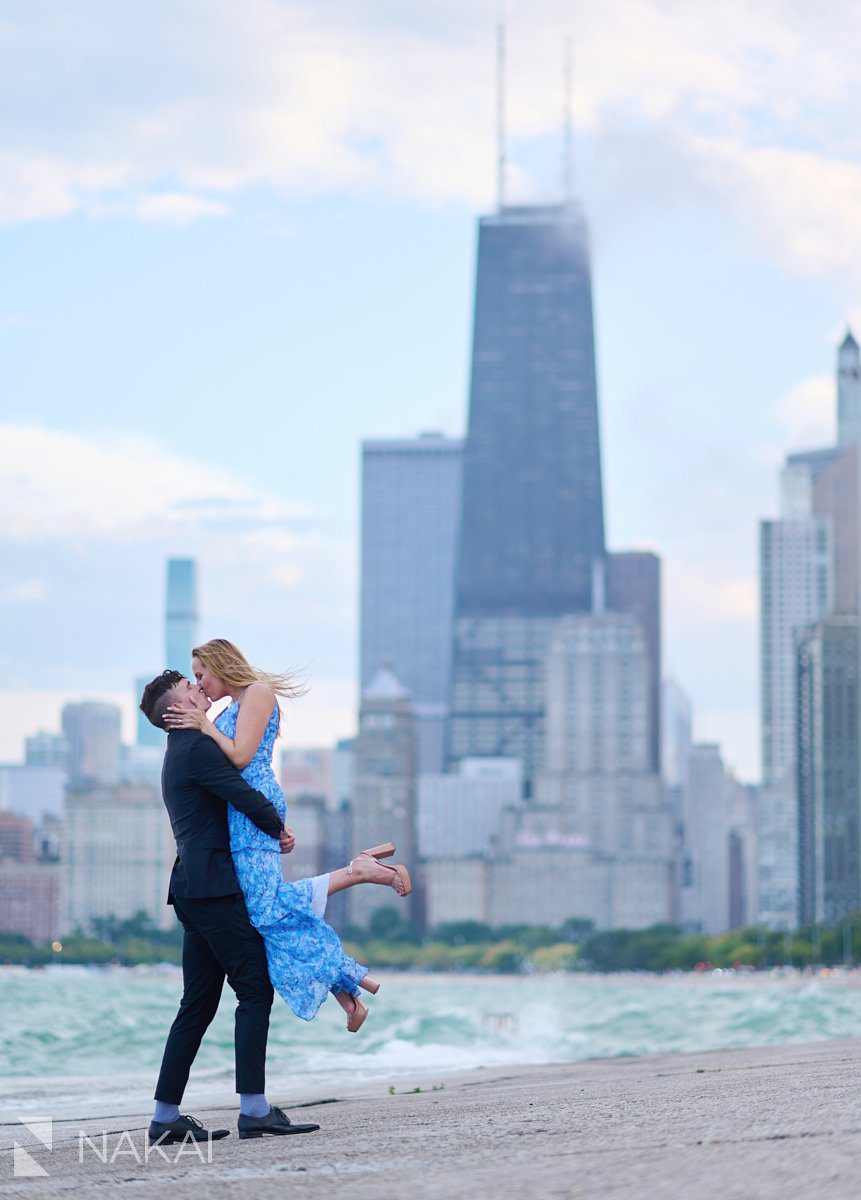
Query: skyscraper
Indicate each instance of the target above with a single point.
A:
(410, 514)
(824, 483)
(634, 586)
(92, 732)
(706, 802)
(796, 587)
(848, 391)
(596, 841)
(809, 568)
(676, 732)
(829, 818)
(384, 797)
(532, 521)
(180, 634)
(180, 638)
(117, 851)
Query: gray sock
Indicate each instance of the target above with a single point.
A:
(165, 1113)
(253, 1104)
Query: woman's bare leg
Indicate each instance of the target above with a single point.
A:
(346, 1002)
(365, 870)
(340, 879)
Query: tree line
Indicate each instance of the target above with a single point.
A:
(469, 946)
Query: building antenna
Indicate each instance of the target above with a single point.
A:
(500, 105)
(568, 125)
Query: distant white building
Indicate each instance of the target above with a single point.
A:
(306, 816)
(307, 771)
(455, 890)
(46, 749)
(459, 814)
(797, 586)
(596, 842)
(744, 799)
(32, 790)
(384, 795)
(343, 771)
(116, 856)
(676, 730)
(709, 810)
(92, 731)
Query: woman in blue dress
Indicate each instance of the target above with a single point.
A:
(305, 956)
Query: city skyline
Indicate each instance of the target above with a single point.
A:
(716, 324)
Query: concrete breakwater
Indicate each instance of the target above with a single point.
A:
(751, 1124)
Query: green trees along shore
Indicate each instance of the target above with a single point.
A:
(393, 942)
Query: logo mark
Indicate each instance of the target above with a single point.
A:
(23, 1163)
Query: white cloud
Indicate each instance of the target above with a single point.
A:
(87, 523)
(57, 484)
(172, 118)
(700, 593)
(806, 413)
(25, 591)
(178, 208)
(801, 207)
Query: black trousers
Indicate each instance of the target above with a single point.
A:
(219, 942)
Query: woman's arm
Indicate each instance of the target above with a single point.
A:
(255, 709)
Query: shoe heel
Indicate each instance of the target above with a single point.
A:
(370, 985)
(386, 850)
(250, 1133)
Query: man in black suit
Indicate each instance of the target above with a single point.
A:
(219, 941)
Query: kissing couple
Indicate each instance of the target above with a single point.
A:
(241, 921)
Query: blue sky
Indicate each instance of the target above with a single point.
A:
(238, 237)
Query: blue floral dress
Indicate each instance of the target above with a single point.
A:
(305, 956)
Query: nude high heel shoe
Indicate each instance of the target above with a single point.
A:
(356, 1019)
(398, 870)
(386, 850)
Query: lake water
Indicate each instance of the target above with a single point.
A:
(75, 1039)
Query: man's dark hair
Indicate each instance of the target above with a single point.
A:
(157, 697)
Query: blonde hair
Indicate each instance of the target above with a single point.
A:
(230, 665)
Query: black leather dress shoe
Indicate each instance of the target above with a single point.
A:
(276, 1121)
(177, 1131)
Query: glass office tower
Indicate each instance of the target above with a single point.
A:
(180, 613)
(410, 516)
(532, 524)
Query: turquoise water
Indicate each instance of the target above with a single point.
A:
(96, 1034)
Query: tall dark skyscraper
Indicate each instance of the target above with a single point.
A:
(532, 515)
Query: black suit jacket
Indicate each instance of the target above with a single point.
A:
(197, 781)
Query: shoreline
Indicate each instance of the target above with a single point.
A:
(416, 975)
(428, 1030)
(753, 1124)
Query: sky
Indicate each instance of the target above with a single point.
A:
(238, 236)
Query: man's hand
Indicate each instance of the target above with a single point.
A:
(287, 841)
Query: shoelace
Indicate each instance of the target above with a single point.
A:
(279, 1112)
(194, 1121)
